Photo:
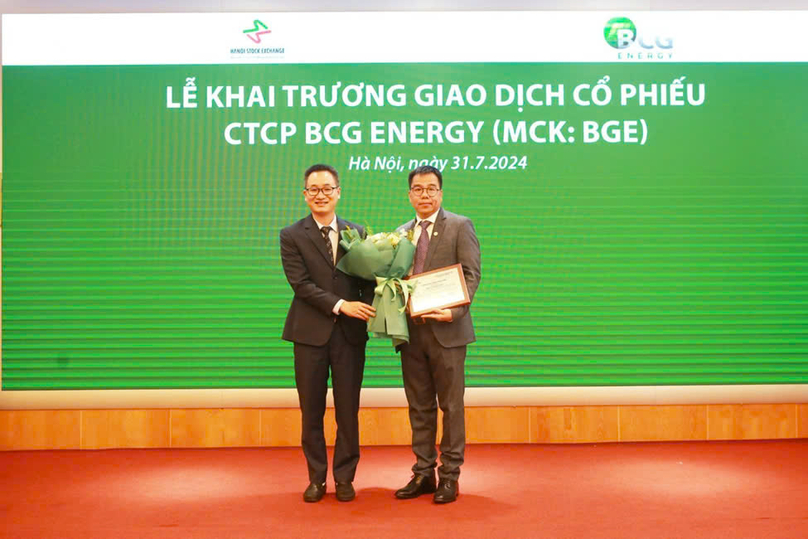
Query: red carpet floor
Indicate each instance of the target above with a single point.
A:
(650, 490)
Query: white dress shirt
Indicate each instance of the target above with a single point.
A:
(334, 237)
(417, 230)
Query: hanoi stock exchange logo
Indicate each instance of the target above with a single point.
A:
(262, 50)
(258, 29)
(621, 33)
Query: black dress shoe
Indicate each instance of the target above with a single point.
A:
(447, 491)
(314, 492)
(419, 484)
(345, 492)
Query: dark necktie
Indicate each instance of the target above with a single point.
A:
(421, 248)
(326, 231)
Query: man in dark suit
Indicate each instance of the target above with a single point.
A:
(433, 362)
(327, 321)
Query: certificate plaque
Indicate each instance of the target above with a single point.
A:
(438, 289)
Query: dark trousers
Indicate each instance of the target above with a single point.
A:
(346, 362)
(433, 372)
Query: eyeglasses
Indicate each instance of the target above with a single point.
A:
(327, 190)
(432, 191)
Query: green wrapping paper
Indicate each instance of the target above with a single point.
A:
(385, 258)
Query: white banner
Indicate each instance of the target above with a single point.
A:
(395, 37)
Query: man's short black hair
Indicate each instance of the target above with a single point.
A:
(318, 168)
(426, 169)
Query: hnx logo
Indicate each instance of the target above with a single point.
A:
(257, 31)
(620, 33)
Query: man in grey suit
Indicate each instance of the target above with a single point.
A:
(327, 321)
(433, 362)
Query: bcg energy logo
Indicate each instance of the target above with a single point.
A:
(621, 33)
(257, 31)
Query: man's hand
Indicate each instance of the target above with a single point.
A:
(439, 315)
(357, 309)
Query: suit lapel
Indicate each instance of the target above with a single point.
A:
(314, 234)
(434, 239)
(341, 225)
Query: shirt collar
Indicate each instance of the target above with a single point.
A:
(432, 218)
(332, 224)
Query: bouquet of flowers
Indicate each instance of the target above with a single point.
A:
(385, 257)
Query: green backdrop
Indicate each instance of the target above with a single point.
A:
(140, 250)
